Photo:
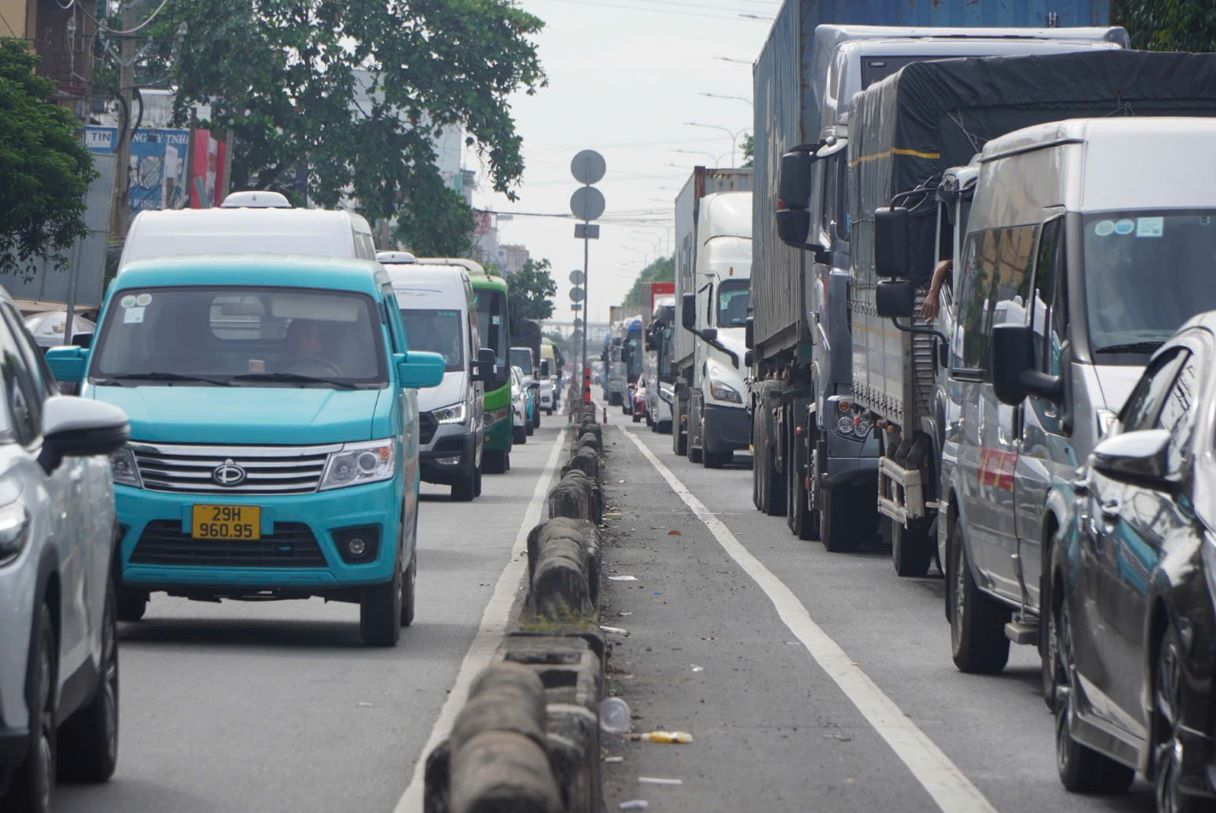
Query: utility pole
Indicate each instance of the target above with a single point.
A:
(587, 204)
(126, 90)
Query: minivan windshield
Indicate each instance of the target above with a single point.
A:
(734, 297)
(436, 331)
(246, 336)
(1146, 273)
(521, 357)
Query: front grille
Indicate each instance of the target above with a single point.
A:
(291, 545)
(268, 469)
(427, 425)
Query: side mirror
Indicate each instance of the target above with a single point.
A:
(794, 182)
(688, 311)
(1013, 372)
(68, 363)
(793, 226)
(893, 298)
(748, 358)
(483, 369)
(84, 340)
(710, 334)
(891, 242)
(78, 427)
(749, 334)
(1138, 458)
(419, 370)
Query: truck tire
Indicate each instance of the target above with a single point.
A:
(679, 439)
(911, 550)
(695, 436)
(773, 495)
(717, 460)
(977, 620)
(132, 604)
(845, 521)
(801, 520)
(465, 489)
(88, 742)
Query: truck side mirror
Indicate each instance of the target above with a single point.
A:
(688, 311)
(749, 333)
(894, 298)
(709, 334)
(484, 371)
(748, 358)
(1013, 371)
(794, 182)
(793, 226)
(891, 242)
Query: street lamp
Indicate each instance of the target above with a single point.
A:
(734, 136)
(747, 102)
(756, 17)
(732, 59)
(713, 160)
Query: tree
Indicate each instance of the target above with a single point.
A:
(45, 170)
(1169, 25)
(443, 228)
(749, 149)
(341, 100)
(661, 270)
(530, 291)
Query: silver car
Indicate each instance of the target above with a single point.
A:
(59, 669)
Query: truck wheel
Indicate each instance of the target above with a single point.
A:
(33, 781)
(89, 740)
(637, 417)
(1082, 769)
(494, 461)
(131, 604)
(465, 489)
(845, 521)
(381, 608)
(519, 435)
(679, 439)
(695, 436)
(801, 520)
(977, 620)
(911, 551)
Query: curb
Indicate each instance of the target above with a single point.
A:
(528, 737)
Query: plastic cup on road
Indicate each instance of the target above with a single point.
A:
(614, 716)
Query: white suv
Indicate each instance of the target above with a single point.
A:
(58, 647)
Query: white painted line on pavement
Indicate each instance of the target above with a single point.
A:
(940, 777)
(489, 634)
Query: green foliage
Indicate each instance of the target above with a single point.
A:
(45, 170)
(1168, 25)
(749, 150)
(530, 291)
(442, 228)
(661, 270)
(283, 76)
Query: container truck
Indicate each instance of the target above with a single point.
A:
(815, 452)
(713, 272)
(1051, 239)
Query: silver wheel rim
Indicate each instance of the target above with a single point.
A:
(1167, 754)
(960, 582)
(46, 756)
(109, 686)
(1063, 650)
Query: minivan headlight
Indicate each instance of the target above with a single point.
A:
(450, 414)
(357, 464)
(124, 468)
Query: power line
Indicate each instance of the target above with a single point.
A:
(651, 9)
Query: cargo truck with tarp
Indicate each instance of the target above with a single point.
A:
(910, 210)
(815, 455)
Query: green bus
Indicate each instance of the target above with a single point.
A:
(494, 325)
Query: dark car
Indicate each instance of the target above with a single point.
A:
(1133, 622)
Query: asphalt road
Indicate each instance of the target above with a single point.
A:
(783, 685)
(278, 707)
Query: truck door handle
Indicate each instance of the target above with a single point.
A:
(1110, 511)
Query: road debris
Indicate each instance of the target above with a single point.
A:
(665, 737)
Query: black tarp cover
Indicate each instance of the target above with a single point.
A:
(930, 116)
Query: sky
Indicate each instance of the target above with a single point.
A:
(624, 78)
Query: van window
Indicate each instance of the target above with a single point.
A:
(1047, 318)
(996, 285)
(224, 336)
(436, 331)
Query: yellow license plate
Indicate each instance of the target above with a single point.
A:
(227, 522)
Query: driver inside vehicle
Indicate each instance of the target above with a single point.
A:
(307, 350)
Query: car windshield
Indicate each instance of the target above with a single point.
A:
(436, 331)
(286, 336)
(734, 296)
(633, 364)
(521, 357)
(1146, 273)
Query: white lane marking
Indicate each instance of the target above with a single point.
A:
(940, 777)
(489, 634)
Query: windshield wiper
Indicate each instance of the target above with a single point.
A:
(161, 376)
(1131, 347)
(295, 377)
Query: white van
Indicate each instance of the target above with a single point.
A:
(248, 223)
(1089, 243)
(437, 306)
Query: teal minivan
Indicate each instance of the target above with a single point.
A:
(274, 432)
